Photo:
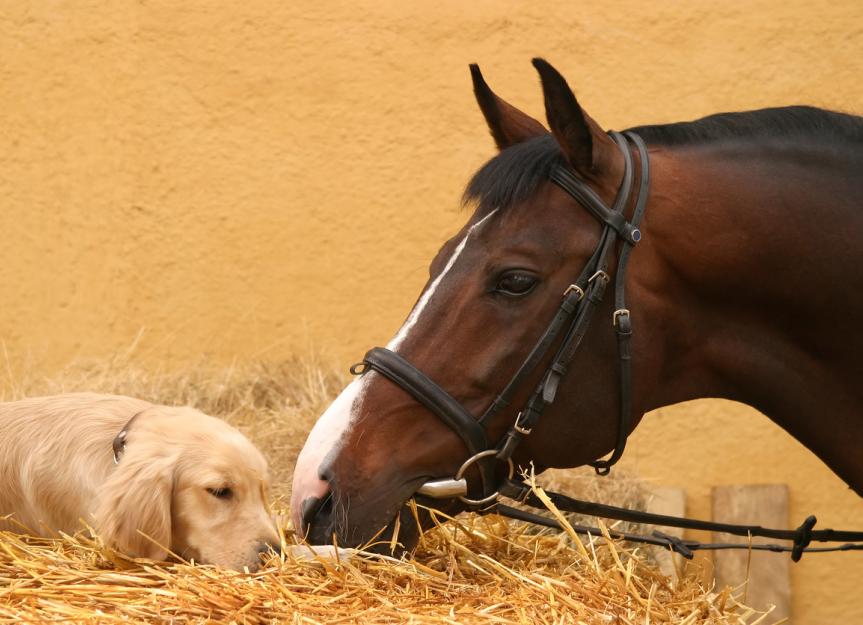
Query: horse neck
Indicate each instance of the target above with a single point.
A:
(751, 264)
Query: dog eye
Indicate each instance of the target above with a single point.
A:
(221, 493)
(515, 283)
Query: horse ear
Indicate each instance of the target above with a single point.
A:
(584, 143)
(507, 124)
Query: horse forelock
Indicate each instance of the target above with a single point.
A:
(513, 175)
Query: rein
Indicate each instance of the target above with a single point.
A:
(571, 321)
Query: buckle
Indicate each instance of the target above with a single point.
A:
(599, 274)
(576, 288)
(620, 312)
(518, 428)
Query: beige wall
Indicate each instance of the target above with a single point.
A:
(253, 178)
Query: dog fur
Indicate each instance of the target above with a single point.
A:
(186, 483)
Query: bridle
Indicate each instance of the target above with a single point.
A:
(578, 305)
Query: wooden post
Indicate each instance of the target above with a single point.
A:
(671, 502)
(760, 578)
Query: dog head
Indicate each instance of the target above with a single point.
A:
(191, 485)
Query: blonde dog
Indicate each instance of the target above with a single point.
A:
(150, 479)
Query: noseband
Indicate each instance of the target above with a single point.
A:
(579, 303)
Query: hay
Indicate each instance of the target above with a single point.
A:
(468, 570)
(477, 570)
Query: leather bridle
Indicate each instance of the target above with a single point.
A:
(579, 303)
(567, 329)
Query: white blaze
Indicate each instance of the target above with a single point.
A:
(331, 427)
(412, 319)
(326, 434)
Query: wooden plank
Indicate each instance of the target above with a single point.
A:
(672, 502)
(760, 578)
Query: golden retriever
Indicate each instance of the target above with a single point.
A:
(152, 480)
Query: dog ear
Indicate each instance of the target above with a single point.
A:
(134, 511)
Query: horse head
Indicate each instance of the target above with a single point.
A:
(493, 290)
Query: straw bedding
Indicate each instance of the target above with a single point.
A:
(467, 570)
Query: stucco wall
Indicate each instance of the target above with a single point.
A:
(259, 177)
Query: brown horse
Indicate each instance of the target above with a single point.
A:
(745, 286)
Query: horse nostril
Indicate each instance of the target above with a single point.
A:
(313, 506)
(316, 516)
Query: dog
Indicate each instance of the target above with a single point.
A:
(152, 480)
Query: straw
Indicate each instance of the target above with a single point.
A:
(468, 570)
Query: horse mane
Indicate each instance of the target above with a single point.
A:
(782, 122)
(515, 173)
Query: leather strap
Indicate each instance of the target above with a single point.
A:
(629, 236)
(588, 198)
(429, 394)
(800, 537)
(567, 307)
(684, 547)
(622, 320)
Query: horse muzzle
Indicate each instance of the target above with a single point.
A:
(366, 518)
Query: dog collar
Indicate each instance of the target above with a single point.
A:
(118, 445)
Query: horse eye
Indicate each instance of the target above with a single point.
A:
(221, 493)
(516, 283)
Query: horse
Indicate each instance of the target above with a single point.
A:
(743, 284)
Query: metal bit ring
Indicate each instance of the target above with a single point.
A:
(464, 467)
